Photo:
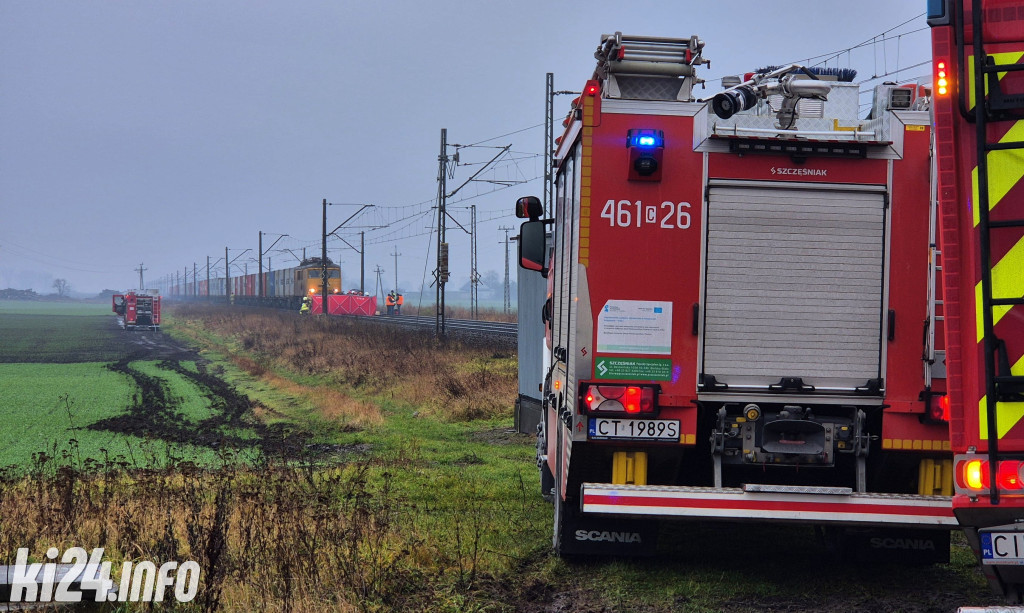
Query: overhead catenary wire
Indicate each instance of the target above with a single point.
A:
(402, 221)
(874, 41)
(27, 253)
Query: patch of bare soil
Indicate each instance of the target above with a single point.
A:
(155, 345)
(154, 412)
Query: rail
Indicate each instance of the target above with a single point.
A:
(493, 329)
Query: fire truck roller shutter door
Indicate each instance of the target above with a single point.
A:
(794, 284)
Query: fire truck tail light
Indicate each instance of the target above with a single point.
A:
(939, 409)
(1008, 477)
(973, 476)
(630, 399)
(592, 89)
(941, 79)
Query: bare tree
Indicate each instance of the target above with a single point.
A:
(62, 286)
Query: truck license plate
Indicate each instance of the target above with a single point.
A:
(634, 429)
(1002, 548)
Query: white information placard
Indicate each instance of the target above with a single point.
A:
(635, 326)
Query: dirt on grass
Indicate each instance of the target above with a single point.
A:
(153, 413)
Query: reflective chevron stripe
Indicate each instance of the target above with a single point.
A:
(1008, 414)
(1005, 169)
(1007, 280)
(1000, 59)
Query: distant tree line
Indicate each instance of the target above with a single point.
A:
(18, 294)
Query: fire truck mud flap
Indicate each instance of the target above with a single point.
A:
(800, 504)
(596, 535)
(903, 545)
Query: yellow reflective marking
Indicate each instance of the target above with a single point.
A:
(1005, 169)
(1007, 413)
(1007, 282)
(585, 186)
(1011, 57)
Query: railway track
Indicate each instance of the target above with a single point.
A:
(507, 332)
(490, 328)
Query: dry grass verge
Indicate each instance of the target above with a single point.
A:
(267, 538)
(340, 358)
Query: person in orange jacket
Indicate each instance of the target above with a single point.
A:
(390, 302)
(398, 304)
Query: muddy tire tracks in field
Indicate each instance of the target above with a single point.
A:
(154, 413)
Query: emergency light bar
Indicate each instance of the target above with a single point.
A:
(646, 139)
(646, 147)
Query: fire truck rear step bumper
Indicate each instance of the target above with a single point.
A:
(814, 505)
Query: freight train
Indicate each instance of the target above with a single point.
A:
(280, 288)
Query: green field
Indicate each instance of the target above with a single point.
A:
(75, 309)
(60, 395)
(59, 338)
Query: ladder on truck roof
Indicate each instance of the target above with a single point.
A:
(991, 105)
(649, 67)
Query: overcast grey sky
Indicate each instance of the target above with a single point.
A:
(159, 132)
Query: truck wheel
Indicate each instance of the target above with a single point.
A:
(547, 483)
(547, 480)
(564, 525)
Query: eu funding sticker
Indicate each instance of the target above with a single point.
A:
(635, 326)
(643, 369)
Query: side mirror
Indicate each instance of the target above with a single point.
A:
(529, 207)
(532, 245)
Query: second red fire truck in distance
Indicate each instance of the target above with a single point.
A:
(741, 320)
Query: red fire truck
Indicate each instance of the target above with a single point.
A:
(979, 135)
(741, 319)
(137, 310)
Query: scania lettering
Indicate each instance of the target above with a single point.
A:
(741, 319)
(889, 543)
(609, 537)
